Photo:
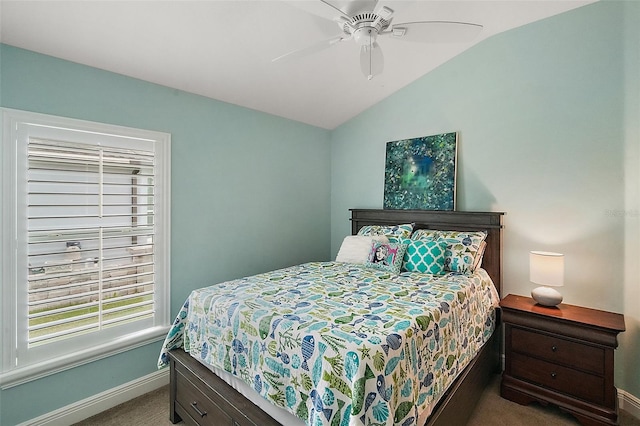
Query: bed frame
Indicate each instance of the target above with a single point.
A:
(220, 404)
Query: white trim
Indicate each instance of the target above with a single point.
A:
(93, 405)
(629, 403)
(28, 373)
(20, 361)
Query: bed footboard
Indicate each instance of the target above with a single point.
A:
(199, 397)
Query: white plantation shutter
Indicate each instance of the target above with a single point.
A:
(90, 238)
(86, 272)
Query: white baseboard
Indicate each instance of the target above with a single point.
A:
(629, 403)
(93, 405)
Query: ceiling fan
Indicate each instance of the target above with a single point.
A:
(365, 25)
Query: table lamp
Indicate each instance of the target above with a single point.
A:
(547, 269)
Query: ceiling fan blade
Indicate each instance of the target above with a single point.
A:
(435, 31)
(317, 47)
(371, 60)
(323, 9)
(333, 9)
(353, 7)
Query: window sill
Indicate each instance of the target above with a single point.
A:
(21, 375)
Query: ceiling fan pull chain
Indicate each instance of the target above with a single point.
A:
(370, 76)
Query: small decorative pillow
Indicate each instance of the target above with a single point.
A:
(393, 233)
(386, 256)
(356, 248)
(425, 234)
(426, 257)
(462, 248)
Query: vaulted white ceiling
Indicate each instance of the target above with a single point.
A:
(224, 49)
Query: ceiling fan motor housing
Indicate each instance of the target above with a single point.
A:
(365, 27)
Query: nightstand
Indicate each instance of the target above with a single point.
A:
(561, 355)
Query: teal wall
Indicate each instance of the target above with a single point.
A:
(250, 193)
(546, 115)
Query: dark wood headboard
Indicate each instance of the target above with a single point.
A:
(490, 222)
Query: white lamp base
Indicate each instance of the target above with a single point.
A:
(546, 296)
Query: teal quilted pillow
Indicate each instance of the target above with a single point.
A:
(386, 256)
(426, 257)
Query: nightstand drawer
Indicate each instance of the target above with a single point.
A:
(563, 379)
(558, 351)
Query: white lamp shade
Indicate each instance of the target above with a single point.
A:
(546, 268)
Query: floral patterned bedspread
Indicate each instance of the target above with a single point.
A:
(340, 344)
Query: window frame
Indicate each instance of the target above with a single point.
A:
(18, 363)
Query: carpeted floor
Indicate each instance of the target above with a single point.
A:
(153, 409)
(493, 410)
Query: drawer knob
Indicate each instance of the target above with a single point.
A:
(554, 348)
(201, 413)
(553, 375)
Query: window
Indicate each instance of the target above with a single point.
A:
(85, 272)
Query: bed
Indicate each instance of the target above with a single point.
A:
(336, 343)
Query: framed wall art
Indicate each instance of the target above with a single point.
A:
(420, 173)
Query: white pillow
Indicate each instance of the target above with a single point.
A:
(356, 248)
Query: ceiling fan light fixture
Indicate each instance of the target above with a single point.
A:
(365, 36)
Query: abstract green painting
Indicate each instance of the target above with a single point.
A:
(420, 173)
